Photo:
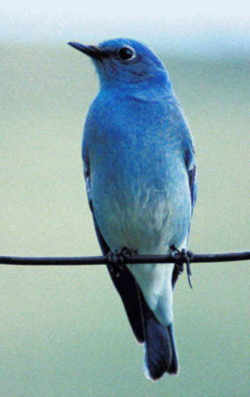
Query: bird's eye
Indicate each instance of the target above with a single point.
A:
(126, 53)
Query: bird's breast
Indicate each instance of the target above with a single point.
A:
(139, 184)
(137, 200)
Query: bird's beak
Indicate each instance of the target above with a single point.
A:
(90, 50)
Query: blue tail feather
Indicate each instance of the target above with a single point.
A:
(160, 349)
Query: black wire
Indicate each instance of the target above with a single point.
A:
(101, 260)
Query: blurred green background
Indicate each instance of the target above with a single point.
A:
(63, 331)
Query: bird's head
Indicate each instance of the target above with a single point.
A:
(125, 62)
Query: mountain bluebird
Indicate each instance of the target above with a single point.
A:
(139, 169)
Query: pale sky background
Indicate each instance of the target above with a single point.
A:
(218, 26)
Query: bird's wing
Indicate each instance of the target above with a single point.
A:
(122, 279)
(125, 284)
(189, 158)
(86, 172)
(192, 175)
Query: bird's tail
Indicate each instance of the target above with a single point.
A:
(160, 349)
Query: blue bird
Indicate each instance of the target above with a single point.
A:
(139, 169)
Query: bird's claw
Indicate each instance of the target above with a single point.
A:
(180, 257)
(117, 259)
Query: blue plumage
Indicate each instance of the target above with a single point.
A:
(140, 175)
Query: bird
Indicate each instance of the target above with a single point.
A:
(140, 173)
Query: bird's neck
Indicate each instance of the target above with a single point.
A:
(144, 90)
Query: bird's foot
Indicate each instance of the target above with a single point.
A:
(180, 257)
(117, 259)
